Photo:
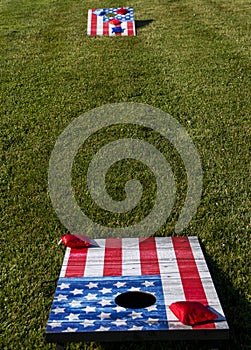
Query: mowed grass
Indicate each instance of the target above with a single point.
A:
(192, 61)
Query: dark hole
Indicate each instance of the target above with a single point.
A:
(110, 15)
(135, 300)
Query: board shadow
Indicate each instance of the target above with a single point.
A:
(142, 23)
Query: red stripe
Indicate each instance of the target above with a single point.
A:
(76, 263)
(93, 23)
(148, 256)
(191, 281)
(113, 257)
(130, 28)
(106, 28)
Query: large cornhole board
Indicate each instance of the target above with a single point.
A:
(111, 22)
(93, 280)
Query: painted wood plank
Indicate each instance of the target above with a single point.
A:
(76, 263)
(130, 257)
(148, 256)
(113, 257)
(94, 265)
(65, 262)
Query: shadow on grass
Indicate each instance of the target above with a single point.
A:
(236, 307)
(142, 23)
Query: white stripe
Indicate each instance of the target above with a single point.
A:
(134, 29)
(65, 262)
(124, 26)
(170, 276)
(130, 257)
(100, 24)
(206, 280)
(89, 22)
(95, 260)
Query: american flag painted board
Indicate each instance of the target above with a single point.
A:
(169, 268)
(108, 22)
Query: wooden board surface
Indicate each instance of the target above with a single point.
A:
(171, 269)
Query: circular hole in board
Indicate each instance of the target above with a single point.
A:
(135, 300)
(110, 15)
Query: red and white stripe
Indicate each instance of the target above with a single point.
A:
(178, 260)
(113, 257)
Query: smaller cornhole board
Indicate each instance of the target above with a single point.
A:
(111, 22)
(87, 305)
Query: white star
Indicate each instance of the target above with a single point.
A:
(136, 314)
(54, 324)
(119, 323)
(106, 290)
(135, 328)
(104, 315)
(72, 317)
(119, 308)
(69, 329)
(77, 291)
(103, 329)
(88, 323)
(105, 302)
(153, 321)
(90, 296)
(152, 308)
(120, 284)
(148, 283)
(64, 286)
(92, 285)
(134, 289)
(75, 303)
(61, 297)
(88, 309)
(58, 310)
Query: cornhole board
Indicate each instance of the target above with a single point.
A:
(100, 22)
(91, 281)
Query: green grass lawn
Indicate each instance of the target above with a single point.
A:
(192, 61)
